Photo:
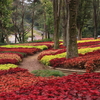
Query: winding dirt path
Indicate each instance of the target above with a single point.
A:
(31, 63)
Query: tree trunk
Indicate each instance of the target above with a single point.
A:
(72, 49)
(95, 19)
(7, 40)
(32, 34)
(79, 33)
(56, 9)
(45, 26)
(64, 22)
(22, 24)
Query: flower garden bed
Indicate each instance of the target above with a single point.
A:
(72, 87)
(88, 59)
(18, 84)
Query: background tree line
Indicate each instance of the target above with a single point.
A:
(58, 19)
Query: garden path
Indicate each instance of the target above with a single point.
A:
(31, 63)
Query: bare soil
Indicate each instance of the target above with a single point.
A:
(31, 63)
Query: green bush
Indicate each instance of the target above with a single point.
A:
(47, 73)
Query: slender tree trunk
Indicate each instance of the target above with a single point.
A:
(64, 22)
(22, 21)
(56, 9)
(45, 26)
(6, 37)
(32, 34)
(32, 27)
(72, 49)
(95, 19)
(79, 33)
(67, 36)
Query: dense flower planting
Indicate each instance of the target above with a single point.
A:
(10, 56)
(7, 61)
(88, 43)
(50, 52)
(28, 51)
(7, 66)
(15, 78)
(90, 61)
(48, 44)
(46, 57)
(72, 87)
(19, 54)
(12, 70)
(88, 40)
(15, 52)
(21, 46)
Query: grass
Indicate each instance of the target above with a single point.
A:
(47, 73)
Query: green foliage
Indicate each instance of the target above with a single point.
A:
(47, 73)
(5, 18)
(5, 11)
(84, 16)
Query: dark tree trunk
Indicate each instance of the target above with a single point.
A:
(32, 34)
(45, 26)
(64, 22)
(95, 18)
(72, 49)
(79, 33)
(56, 9)
(32, 27)
(22, 24)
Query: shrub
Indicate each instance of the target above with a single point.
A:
(47, 73)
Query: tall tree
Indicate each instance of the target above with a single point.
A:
(48, 18)
(56, 11)
(64, 21)
(32, 7)
(5, 19)
(96, 11)
(22, 17)
(72, 49)
(84, 15)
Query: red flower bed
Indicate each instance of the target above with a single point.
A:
(50, 52)
(88, 43)
(12, 70)
(72, 87)
(90, 61)
(16, 78)
(24, 50)
(7, 61)
(21, 56)
(57, 62)
(48, 44)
